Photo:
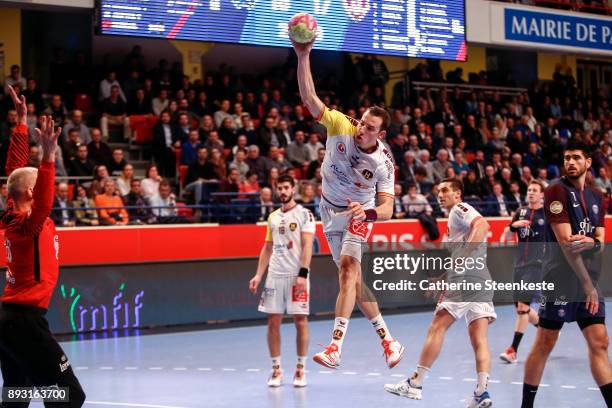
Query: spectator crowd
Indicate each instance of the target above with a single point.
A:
(219, 144)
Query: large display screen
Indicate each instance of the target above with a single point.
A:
(409, 28)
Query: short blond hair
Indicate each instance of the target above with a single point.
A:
(16, 183)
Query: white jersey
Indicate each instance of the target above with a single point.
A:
(285, 232)
(460, 220)
(347, 171)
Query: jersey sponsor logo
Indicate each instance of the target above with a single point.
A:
(293, 226)
(523, 212)
(390, 170)
(341, 147)
(9, 254)
(358, 228)
(585, 227)
(340, 174)
(541, 221)
(556, 207)
(367, 174)
(56, 246)
(64, 364)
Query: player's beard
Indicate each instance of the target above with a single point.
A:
(284, 199)
(578, 175)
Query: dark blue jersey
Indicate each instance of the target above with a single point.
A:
(582, 209)
(530, 238)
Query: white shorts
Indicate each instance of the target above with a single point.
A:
(345, 236)
(279, 295)
(471, 310)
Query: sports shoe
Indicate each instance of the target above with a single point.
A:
(480, 401)
(405, 389)
(393, 352)
(276, 378)
(509, 356)
(299, 379)
(330, 357)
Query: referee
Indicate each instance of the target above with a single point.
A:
(29, 354)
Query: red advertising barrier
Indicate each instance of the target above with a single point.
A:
(136, 244)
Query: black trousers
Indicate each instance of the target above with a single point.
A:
(30, 355)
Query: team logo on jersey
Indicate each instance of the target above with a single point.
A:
(595, 209)
(356, 9)
(556, 207)
(341, 147)
(541, 221)
(293, 226)
(367, 174)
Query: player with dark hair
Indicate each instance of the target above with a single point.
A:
(29, 354)
(529, 224)
(358, 190)
(466, 238)
(286, 254)
(575, 238)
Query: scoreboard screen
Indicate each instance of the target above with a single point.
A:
(408, 28)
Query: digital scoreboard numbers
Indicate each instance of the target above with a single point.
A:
(414, 28)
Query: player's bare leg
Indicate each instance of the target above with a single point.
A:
(274, 345)
(536, 361)
(525, 315)
(352, 291)
(302, 339)
(597, 339)
(480, 343)
(412, 387)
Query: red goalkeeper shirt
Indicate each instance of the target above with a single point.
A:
(32, 245)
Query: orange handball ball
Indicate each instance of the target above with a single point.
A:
(302, 28)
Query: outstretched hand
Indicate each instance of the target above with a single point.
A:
(48, 135)
(302, 50)
(20, 106)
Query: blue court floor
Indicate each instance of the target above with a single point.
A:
(229, 368)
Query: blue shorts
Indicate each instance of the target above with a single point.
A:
(553, 316)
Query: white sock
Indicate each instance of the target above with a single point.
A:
(381, 327)
(419, 376)
(340, 326)
(276, 363)
(483, 380)
(301, 362)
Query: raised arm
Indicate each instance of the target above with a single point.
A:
(43, 189)
(18, 149)
(308, 93)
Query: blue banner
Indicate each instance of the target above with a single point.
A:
(558, 29)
